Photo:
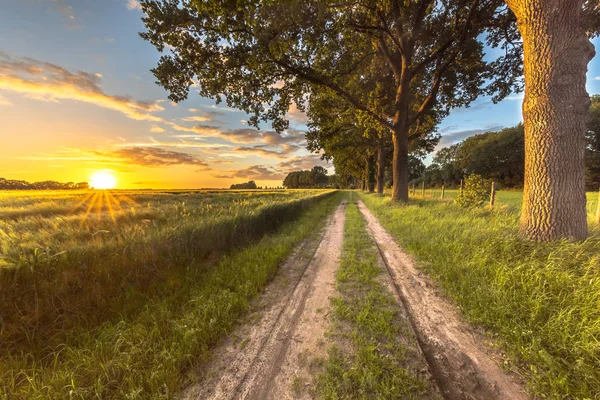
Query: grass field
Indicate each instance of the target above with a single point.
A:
(114, 295)
(511, 198)
(541, 300)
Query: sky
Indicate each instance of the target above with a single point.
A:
(77, 96)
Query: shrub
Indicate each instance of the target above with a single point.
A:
(475, 192)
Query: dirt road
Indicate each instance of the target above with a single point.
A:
(269, 355)
(272, 357)
(461, 362)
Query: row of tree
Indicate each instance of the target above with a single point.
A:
(10, 184)
(313, 178)
(500, 156)
(378, 75)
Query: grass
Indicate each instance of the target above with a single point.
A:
(370, 358)
(541, 300)
(133, 309)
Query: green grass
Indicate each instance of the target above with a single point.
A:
(511, 198)
(369, 360)
(541, 300)
(151, 298)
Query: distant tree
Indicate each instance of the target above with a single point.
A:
(8, 184)
(314, 178)
(246, 185)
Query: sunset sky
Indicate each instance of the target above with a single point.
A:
(77, 96)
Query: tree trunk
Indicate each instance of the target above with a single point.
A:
(380, 165)
(556, 54)
(400, 164)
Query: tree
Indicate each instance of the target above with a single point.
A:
(260, 56)
(246, 185)
(556, 53)
(314, 178)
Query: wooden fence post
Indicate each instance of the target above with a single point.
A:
(442, 196)
(461, 188)
(493, 194)
(423, 189)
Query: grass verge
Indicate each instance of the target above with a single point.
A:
(542, 300)
(147, 354)
(374, 355)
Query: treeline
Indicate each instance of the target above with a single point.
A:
(307, 179)
(245, 185)
(10, 184)
(500, 156)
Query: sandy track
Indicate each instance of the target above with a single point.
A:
(269, 358)
(461, 360)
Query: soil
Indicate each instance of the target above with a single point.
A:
(267, 357)
(461, 359)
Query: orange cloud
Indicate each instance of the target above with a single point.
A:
(49, 82)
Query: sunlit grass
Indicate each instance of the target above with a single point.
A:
(91, 297)
(542, 300)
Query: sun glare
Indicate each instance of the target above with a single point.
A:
(103, 180)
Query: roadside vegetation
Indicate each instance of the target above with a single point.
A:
(114, 304)
(540, 299)
(375, 353)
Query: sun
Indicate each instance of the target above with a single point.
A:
(103, 180)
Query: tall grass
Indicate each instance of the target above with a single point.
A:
(132, 308)
(541, 300)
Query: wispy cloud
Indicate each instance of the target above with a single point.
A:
(4, 101)
(50, 82)
(196, 118)
(453, 137)
(157, 157)
(156, 129)
(134, 5)
(597, 78)
(259, 172)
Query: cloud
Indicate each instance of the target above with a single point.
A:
(450, 138)
(50, 82)
(196, 118)
(259, 172)
(299, 163)
(134, 5)
(250, 135)
(220, 108)
(223, 176)
(4, 101)
(209, 113)
(597, 78)
(156, 129)
(281, 152)
(157, 157)
(296, 115)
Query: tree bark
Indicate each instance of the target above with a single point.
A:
(400, 164)
(556, 54)
(380, 165)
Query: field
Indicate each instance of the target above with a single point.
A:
(122, 292)
(132, 294)
(540, 300)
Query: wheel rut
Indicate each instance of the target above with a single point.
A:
(262, 360)
(461, 359)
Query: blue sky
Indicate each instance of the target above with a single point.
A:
(77, 96)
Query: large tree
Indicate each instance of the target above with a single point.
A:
(556, 53)
(262, 55)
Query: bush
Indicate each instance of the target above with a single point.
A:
(475, 192)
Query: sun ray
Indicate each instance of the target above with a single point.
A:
(109, 207)
(89, 209)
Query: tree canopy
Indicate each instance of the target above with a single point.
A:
(261, 56)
